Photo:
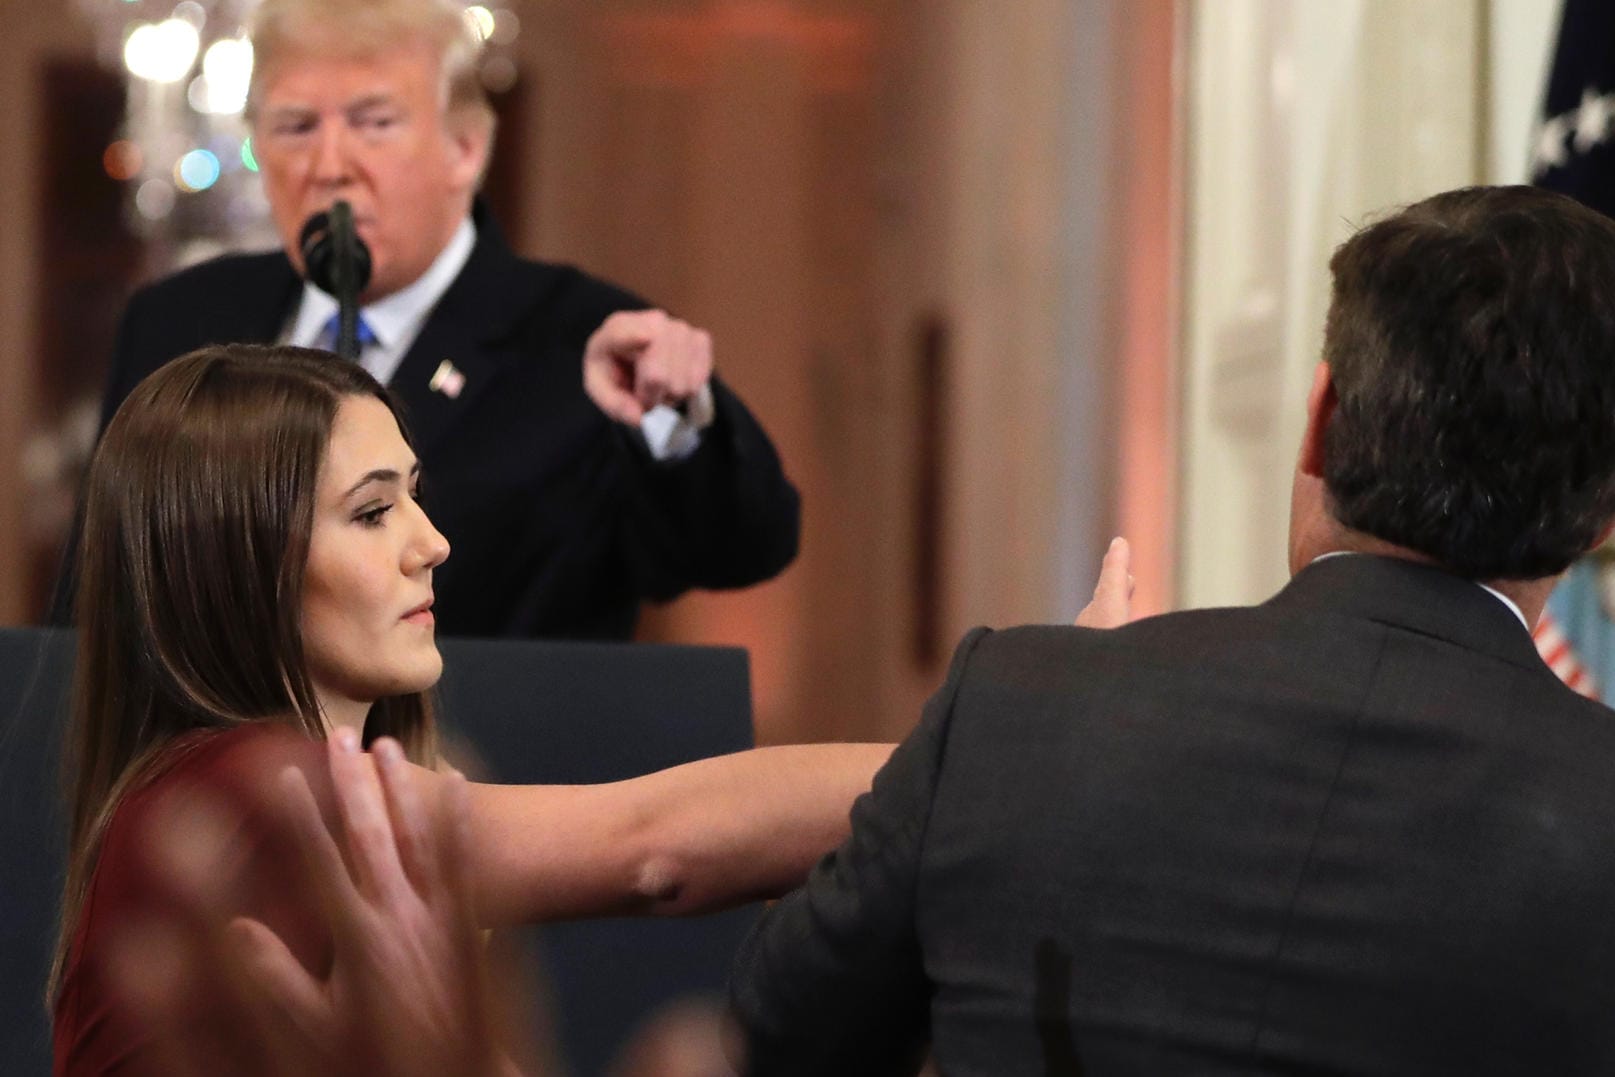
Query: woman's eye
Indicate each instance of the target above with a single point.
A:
(372, 517)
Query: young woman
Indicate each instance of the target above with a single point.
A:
(256, 572)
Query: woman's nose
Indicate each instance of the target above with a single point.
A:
(428, 548)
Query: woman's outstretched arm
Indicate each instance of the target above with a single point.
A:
(689, 839)
(692, 838)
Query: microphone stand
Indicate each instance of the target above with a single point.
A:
(345, 241)
(336, 259)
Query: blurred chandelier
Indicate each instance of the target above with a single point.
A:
(185, 154)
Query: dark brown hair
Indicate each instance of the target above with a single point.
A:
(1471, 343)
(197, 513)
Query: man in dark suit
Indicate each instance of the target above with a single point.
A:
(1360, 828)
(580, 455)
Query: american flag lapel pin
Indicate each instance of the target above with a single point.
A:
(447, 380)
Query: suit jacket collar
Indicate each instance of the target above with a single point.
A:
(1416, 597)
(264, 302)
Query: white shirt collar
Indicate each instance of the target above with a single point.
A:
(1507, 601)
(1494, 592)
(395, 319)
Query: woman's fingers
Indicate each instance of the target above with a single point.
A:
(366, 825)
(417, 844)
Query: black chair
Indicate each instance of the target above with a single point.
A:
(530, 712)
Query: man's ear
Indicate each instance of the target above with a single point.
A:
(472, 138)
(1603, 535)
(1321, 401)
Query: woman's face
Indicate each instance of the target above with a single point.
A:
(367, 592)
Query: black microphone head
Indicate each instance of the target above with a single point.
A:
(334, 257)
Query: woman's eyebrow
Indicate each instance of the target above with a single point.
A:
(380, 474)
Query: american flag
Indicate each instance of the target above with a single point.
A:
(1561, 657)
(1573, 151)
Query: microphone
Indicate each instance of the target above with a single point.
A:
(336, 259)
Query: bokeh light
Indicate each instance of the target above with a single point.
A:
(498, 74)
(154, 199)
(227, 69)
(248, 159)
(161, 52)
(196, 171)
(122, 160)
(192, 12)
(197, 94)
(481, 21)
(505, 27)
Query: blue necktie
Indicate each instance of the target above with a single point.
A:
(366, 335)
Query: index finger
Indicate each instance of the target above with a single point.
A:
(330, 874)
(417, 844)
(365, 822)
(630, 330)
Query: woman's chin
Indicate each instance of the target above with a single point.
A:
(418, 670)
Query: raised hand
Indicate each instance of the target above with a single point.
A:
(1112, 604)
(641, 358)
(408, 991)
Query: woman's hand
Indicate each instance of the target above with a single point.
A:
(408, 989)
(407, 993)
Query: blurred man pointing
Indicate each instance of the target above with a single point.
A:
(581, 455)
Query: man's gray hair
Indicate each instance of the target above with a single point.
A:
(368, 28)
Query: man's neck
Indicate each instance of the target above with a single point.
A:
(1528, 595)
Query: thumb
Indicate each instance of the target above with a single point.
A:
(1112, 604)
(612, 390)
(275, 977)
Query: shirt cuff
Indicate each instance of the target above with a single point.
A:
(672, 434)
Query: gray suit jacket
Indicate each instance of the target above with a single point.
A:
(1358, 829)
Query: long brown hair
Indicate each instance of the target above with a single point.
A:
(197, 514)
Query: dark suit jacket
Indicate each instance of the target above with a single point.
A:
(560, 520)
(1358, 829)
